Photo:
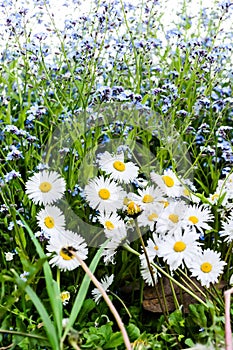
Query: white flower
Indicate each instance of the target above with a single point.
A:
(147, 197)
(179, 248)
(51, 220)
(66, 246)
(110, 221)
(227, 231)
(149, 216)
(171, 217)
(197, 217)
(188, 190)
(147, 272)
(104, 195)
(65, 297)
(118, 169)
(207, 267)
(9, 256)
(153, 246)
(105, 283)
(45, 187)
(168, 182)
(117, 237)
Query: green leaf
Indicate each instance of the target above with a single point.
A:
(49, 326)
(51, 285)
(133, 331)
(114, 341)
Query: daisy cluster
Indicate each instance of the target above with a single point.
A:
(168, 208)
(45, 188)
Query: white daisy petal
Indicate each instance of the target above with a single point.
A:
(45, 187)
(105, 283)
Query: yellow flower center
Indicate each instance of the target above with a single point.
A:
(45, 186)
(186, 192)
(169, 182)
(156, 247)
(65, 296)
(214, 196)
(66, 254)
(193, 219)
(165, 203)
(49, 222)
(206, 267)
(133, 208)
(118, 165)
(104, 193)
(109, 225)
(148, 198)
(179, 246)
(174, 218)
(152, 217)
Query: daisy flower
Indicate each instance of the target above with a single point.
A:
(116, 167)
(65, 297)
(117, 237)
(45, 187)
(110, 221)
(105, 283)
(197, 217)
(171, 217)
(150, 216)
(187, 190)
(207, 267)
(153, 246)
(64, 245)
(227, 231)
(104, 194)
(147, 197)
(179, 248)
(168, 182)
(51, 220)
(147, 272)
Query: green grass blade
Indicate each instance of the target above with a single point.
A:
(51, 285)
(82, 293)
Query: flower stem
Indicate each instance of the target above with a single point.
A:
(107, 300)
(228, 334)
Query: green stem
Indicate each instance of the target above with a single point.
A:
(180, 285)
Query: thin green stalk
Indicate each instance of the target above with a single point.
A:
(22, 334)
(149, 265)
(179, 284)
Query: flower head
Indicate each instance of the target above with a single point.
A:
(51, 220)
(117, 168)
(197, 217)
(66, 246)
(104, 194)
(105, 283)
(179, 248)
(45, 187)
(168, 182)
(207, 267)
